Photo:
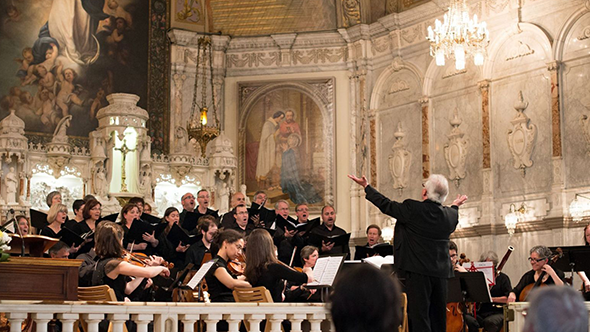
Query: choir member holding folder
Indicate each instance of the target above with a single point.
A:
(330, 238)
(373, 247)
(55, 218)
(172, 248)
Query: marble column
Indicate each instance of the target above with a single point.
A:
(558, 196)
(424, 102)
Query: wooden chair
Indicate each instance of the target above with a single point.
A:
(254, 295)
(404, 327)
(102, 293)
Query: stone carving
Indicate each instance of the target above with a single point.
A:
(351, 12)
(522, 137)
(398, 86)
(584, 34)
(253, 59)
(320, 56)
(11, 183)
(223, 195)
(100, 180)
(243, 191)
(520, 51)
(145, 182)
(456, 150)
(181, 140)
(400, 160)
(586, 131)
(452, 71)
(380, 45)
(410, 35)
(59, 134)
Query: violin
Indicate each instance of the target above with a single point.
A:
(141, 259)
(238, 265)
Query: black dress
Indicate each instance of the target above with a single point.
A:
(218, 292)
(274, 276)
(99, 277)
(529, 278)
(47, 231)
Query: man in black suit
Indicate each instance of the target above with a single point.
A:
(421, 248)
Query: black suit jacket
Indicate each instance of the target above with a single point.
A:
(421, 236)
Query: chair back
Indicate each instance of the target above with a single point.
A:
(255, 294)
(96, 293)
(404, 327)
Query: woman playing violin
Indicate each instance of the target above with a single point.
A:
(264, 269)
(539, 259)
(220, 280)
(112, 270)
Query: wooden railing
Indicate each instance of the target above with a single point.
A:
(166, 315)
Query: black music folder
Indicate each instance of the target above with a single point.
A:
(338, 240)
(177, 234)
(267, 216)
(381, 249)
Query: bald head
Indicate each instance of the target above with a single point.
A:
(238, 199)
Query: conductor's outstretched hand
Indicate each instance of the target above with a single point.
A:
(460, 200)
(362, 181)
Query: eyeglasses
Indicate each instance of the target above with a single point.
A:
(96, 209)
(189, 197)
(536, 260)
(453, 255)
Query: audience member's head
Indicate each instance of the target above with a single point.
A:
(556, 308)
(59, 250)
(366, 299)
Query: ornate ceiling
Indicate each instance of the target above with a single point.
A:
(264, 17)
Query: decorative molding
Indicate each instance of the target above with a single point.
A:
(320, 56)
(521, 137)
(585, 122)
(254, 59)
(400, 160)
(409, 35)
(398, 86)
(584, 34)
(451, 72)
(520, 51)
(455, 150)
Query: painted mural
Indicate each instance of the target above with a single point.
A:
(285, 148)
(63, 57)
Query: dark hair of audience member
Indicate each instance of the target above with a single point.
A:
(366, 299)
(108, 238)
(57, 247)
(89, 206)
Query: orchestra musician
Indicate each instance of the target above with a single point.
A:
(195, 254)
(421, 240)
(220, 280)
(453, 249)
(112, 270)
(296, 292)
(490, 316)
(539, 259)
(264, 269)
(585, 275)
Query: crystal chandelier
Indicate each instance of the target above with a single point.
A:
(458, 36)
(198, 126)
(513, 217)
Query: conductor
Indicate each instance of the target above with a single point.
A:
(421, 248)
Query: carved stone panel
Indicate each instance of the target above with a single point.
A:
(400, 160)
(522, 137)
(456, 150)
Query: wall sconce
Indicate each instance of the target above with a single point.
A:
(580, 208)
(387, 231)
(514, 217)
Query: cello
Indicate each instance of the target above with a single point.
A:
(540, 282)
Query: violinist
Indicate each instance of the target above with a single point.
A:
(539, 259)
(585, 275)
(195, 254)
(112, 270)
(220, 280)
(297, 292)
(457, 267)
(490, 316)
(264, 269)
(165, 248)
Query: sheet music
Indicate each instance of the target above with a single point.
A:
(377, 261)
(486, 267)
(325, 270)
(196, 279)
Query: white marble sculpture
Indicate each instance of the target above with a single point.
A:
(456, 150)
(11, 183)
(522, 137)
(400, 160)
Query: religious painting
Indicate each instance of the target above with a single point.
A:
(285, 151)
(63, 57)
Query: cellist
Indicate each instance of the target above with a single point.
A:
(539, 259)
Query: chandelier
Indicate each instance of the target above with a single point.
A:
(198, 126)
(458, 36)
(513, 217)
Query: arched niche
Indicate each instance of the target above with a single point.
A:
(573, 49)
(306, 143)
(395, 100)
(518, 62)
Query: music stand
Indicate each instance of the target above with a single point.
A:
(468, 287)
(573, 259)
(35, 245)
